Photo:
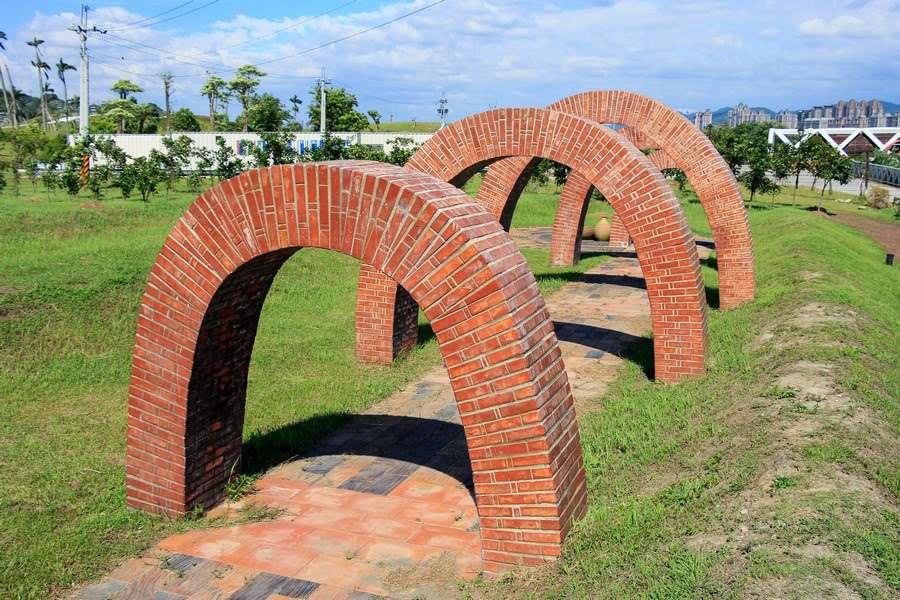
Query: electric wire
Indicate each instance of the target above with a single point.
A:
(341, 39)
(165, 12)
(202, 6)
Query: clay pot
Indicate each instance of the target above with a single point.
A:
(602, 230)
(587, 233)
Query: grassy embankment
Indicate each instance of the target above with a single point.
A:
(669, 466)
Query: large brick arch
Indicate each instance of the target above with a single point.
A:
(639, 194)
(200, 310)
(691, 151)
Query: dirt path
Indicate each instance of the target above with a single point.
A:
(886, 235)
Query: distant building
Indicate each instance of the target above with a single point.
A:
(787, 118)
(702, 120)
(850, 114)
(744, 114)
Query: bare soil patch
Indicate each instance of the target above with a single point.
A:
(886, 235)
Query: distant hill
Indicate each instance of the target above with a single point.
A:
(891, 107)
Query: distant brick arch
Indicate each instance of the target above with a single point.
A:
(688, 148)
(201, 307)
(641, 197)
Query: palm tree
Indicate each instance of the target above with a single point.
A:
(295, 107)
(61, 68)
(144, 113)
(9, 115)
(40, 65)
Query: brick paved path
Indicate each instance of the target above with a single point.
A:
(384, 505)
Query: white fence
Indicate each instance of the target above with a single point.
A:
(136, 145)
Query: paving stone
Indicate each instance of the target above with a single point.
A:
(100, 591)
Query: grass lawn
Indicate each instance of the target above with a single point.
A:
(669, 467)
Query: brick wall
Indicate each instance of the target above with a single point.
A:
(684, 146)
(637, 191)
(200, 309)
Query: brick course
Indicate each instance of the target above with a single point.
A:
(201, 307)
(682, 145)
(642, 199)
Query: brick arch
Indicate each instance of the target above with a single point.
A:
(202, 303)
(687, 146)
(645, 203)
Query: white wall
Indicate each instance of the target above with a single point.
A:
(136, 145)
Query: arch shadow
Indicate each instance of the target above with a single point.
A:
(411, 442)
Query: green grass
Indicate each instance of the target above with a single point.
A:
(665, 463)
(668, 463)
(71, 281)
(410, 127)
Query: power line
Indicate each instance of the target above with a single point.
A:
(360, 93)
(341, 39)
(277, 31)
(170, 18)
(165, 12)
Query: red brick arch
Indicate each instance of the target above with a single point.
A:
(641, 197)
(202, 303)
(687, 147)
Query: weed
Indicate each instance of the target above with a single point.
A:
(784, 482)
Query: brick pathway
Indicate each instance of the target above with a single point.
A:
(383, 507)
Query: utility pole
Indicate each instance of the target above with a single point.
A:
(442, 107)
(322, 81)
(84, 101)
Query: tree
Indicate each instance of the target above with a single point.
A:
(340, 111)
(61, 68)
(227, 163)
(10, 114)
(376, 118)
(41, 67)
(402, 149)
(295, 110)
(213, 89)
(166, 78)
(124, 88)
(274, 149)
(184, 120)
(120, 111)
(246, 80)
(831, 166)
(267, 113)
(793, 160)
(145, 114)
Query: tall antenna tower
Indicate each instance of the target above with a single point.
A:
(442, 108)
(322, 81)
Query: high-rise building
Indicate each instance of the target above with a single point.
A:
(744, 114)
(702, 120)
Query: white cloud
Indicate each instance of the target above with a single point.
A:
(483, 52)
(843, 25)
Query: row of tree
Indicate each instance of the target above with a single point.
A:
(50, 161)
(760, 166)
(259, 111)
(19, 106)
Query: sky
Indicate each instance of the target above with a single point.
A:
(399, 58)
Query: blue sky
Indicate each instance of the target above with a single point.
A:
(481, 53)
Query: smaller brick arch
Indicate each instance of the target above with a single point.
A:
(642, 199)
(691, 151)
(202, 303)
